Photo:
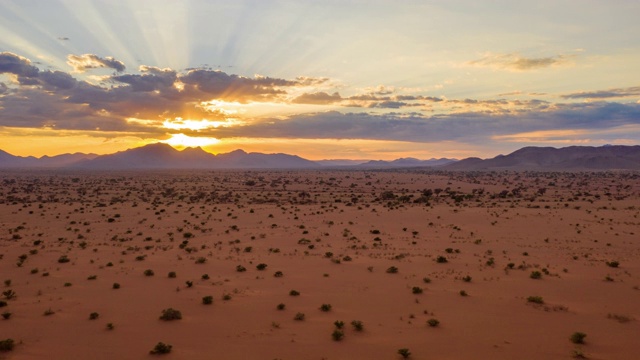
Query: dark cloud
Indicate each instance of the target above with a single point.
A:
(234, 87)
(154, 79)
(319, 98)
(604, 94)
(82, 63)
(57, 79)
(517, 62)
(17, 65)
(473, 127)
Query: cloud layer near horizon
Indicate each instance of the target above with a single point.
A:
(140, 102)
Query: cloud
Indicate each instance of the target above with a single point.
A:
(516, 62)
(82, 63)
(603, 94)
(319, 98)
(471, 127)
(19, 66)
(58, 79)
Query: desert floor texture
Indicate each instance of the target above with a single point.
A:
(505, 265)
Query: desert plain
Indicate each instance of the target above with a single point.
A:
(269, 264)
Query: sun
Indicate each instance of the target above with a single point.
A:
(184, 141)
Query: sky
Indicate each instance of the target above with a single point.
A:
(325, 79)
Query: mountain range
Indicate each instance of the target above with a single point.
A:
(163, 156)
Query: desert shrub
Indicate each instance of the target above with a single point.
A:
(433, 322)
(6, 315)
(207, 300)
(278, 274)
(280, 306)
(49, 312)
(299, 316)
(441, 259)
(172, 274)
(294, 293)
(161, 348)
(226, 297)
(261, 267)
(189, 283)
(92, 277)
(110, 326)
(205, 277)
(357, 325)
(201, 260)
(426, 280)
(392, 270)
(9, 294)
(93, 316)
(170, 314)
(241, 268)
(337, 335)
(466, 278)
(325, 307)
(7, 345)
(535, 299)
(463, 293)
(416, 290)
(339, 324)
(578, 337)
(63, 259)
(148, 272)
(404, 352)
(3, 303)
(536, 275)
(613, 264)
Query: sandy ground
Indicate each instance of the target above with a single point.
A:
(333, 235)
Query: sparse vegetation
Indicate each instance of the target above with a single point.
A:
(161, 348)
(170, 314)
(578, 337)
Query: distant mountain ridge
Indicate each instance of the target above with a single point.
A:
(608, 157)
(163, 156)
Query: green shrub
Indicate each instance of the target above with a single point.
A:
(536, 275)
(416, 290)
(357, 325)
(294, 293)
(7, 345)
(337, 335)
(93, 316)
(535, 299)
(433, 322)
(170, 314)
(392, 270)
(404, 352)
(161, 348)
(299, 316)
(63, 259)
(325, 307)
(205, 277)
(172, 274)
(578, 337)
(339, 324)
(261, 267)
(149, 272)
(201, 260)
(207, 300)
(441, 259)
(280, 306)
(278, 274)
(466, 278)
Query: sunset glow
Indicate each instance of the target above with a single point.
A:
(424, 74)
